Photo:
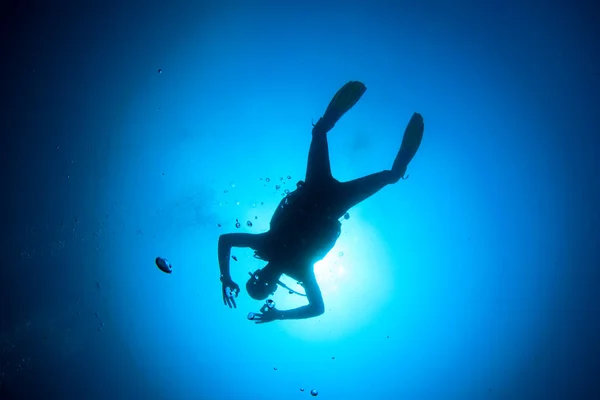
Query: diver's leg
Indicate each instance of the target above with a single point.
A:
(353, 192)
(318, 168)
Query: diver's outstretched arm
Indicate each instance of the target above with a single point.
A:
(229, 288)
(229, 240)
(315, 305)
(314, 308)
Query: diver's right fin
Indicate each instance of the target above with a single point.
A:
(345, 98)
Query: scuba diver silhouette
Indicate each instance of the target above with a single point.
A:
(305, 226)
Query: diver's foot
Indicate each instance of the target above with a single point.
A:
(323, 126)
(413, 134)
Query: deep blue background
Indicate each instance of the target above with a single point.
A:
(475, 278)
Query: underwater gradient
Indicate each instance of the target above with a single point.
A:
(137, 130)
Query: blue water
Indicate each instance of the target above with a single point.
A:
(476, 278)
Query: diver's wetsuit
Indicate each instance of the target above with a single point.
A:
(305, 225)
(328, 196)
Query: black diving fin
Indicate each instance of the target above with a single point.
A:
(413, 134)
(345, 98)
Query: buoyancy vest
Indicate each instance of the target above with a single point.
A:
(298, 232)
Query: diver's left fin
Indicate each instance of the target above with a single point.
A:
(413, 134)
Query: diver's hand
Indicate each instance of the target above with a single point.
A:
(266, 315)
(230, 291)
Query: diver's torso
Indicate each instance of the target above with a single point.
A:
(301, 232)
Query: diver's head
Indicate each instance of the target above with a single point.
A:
(262, 283)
